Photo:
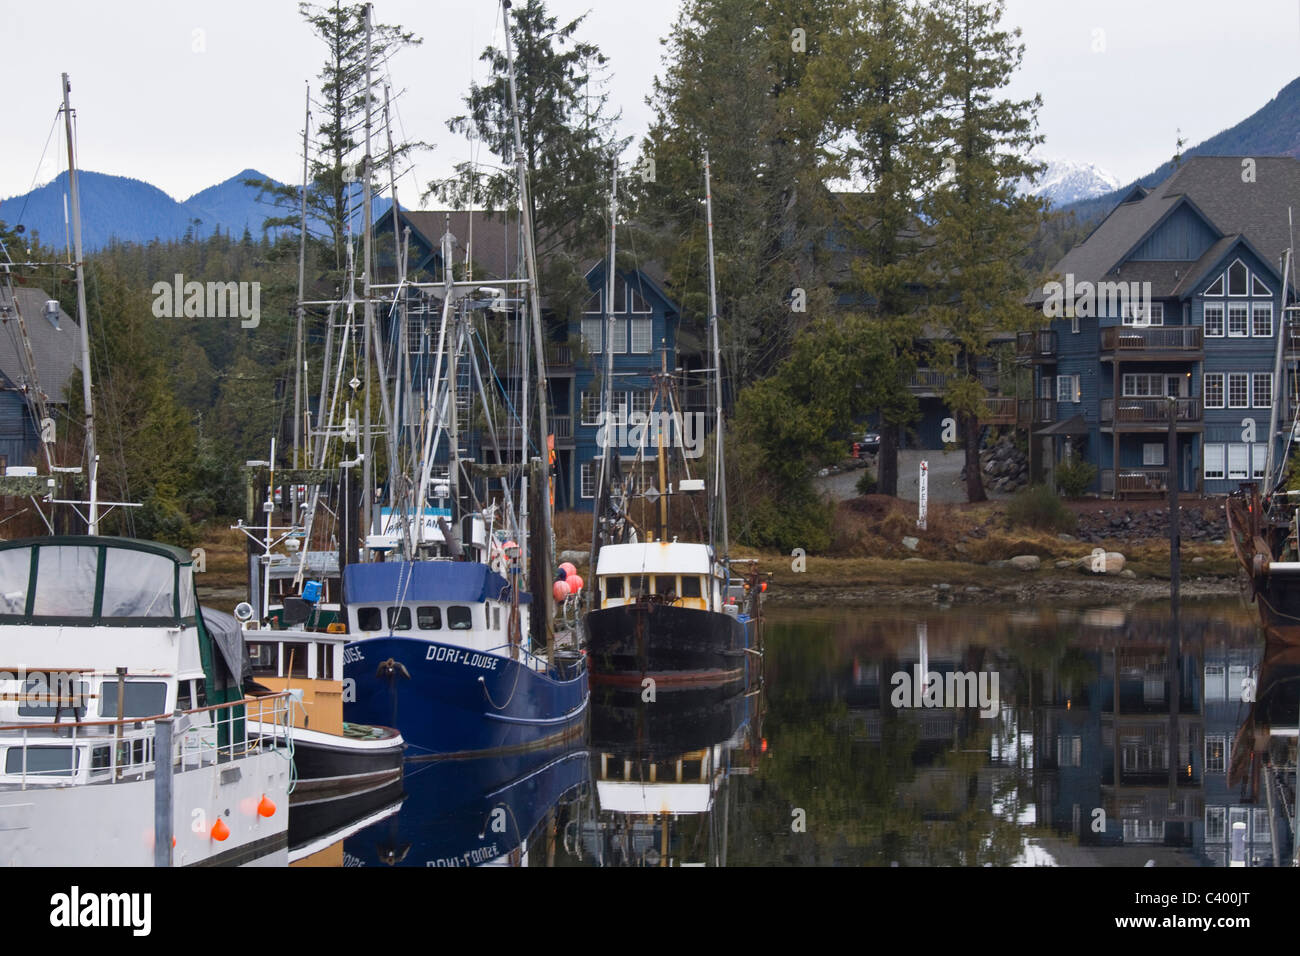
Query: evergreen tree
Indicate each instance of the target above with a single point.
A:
(982, 230)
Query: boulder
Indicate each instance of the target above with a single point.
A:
(1026, 562)
(575, 557)
(911, 543)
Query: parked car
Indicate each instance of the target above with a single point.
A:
(867, 444)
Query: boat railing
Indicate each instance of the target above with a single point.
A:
(534, 661)
(109, 751)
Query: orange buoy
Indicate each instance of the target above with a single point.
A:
(266, 807)
(574, 582)
(561, 590)
(568, 569)
(219, 830)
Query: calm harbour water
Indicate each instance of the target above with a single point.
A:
(1071, 737)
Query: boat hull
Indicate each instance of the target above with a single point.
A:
(448, 701)
(672, 645)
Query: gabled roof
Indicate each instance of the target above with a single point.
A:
(1213, 187)
(496, 248)
(57, 352)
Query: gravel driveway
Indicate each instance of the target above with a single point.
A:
(946, 484)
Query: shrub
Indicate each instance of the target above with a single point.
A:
(1038, 507)
(1075, 476)
(866, 483)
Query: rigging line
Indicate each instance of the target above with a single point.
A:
(30, 189)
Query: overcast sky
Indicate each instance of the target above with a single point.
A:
(186, 93)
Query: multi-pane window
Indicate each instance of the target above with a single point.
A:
(1262, 389)
(590, 408)
(618, 336)
(642, 334)
(589, 479)
(1067, 388)
(1238, 460)
(1259, 824)
(415, 334)
(1213, 389)
(1216, 819)
(1238, 390)
(1238, 327)
(1135, 314)
(1214, 463)
(1261, 319)
(1069, 751)
(1216, 753)
(1141, 385)
(1153, 453)
(1258, 459)
(591, 333)
(1214, 319)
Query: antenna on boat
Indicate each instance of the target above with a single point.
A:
(607, 389)
(719, 471)
(92, 459)
(1279, 384)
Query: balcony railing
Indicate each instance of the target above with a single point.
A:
(1038, 345)
(1174, 338)
(1137, 481)
(999, 411)
(562, 426)
(559, 356)
(937, 379)
(1150, 411)
(1036, 411)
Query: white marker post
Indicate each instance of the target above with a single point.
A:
(924, 497)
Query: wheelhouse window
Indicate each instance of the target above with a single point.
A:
(263, 657)
(399, 618)
(56, 698)
(613, 587)
(369, 619)
(428, 618)
(65, 581)
(139, 699)
(665, 584)
(295, 658)
(137, 584)
(15, 573)
(690, 586)
(638, 584)
(459, 618)
(42, 761)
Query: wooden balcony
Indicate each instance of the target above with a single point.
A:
(1174, 343)
(559, 357)
(931, 382)
(998, 411)
(1150, 414)
(1036, 346)
(1033, 412)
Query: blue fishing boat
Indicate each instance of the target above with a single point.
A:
(433, 656)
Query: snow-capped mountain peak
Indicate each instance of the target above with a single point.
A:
(1065, 181)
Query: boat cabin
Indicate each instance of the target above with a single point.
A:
(94, 627)
(669, 571)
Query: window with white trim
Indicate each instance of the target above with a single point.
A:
(1135, 314)
(1212, 389)
(1258, 459)
(590, 408)
(642, 335)
(1143, 385)
(1046, 384)
(1216, 681)
(639, 400)
(1215, 288)
(1238, 324)
(1214, 319)
(1260, 832)
(591, 334)
(1238, 277)
(1261, 319)
(618, 337)
(1069, 751)
(636, 301)
(1213, 465)
(1261, 387)
(1216, 753)
(1238, 460)
(588, 479)
(1238, 390)
(1216, 824)
(1067, 388)
(1257, 287)
(1153, 453)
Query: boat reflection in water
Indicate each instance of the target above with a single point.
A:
(487, 811)
(662, 762)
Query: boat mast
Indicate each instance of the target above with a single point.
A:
(302, 283)
(535, 307)
(1279, 386)
(719, 469)
(607, 390)
(91, 457)
(368, 438)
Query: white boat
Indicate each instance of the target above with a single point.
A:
(105, 657)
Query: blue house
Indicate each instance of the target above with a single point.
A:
(56, 351)
(1177, 294)
(644, 339)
